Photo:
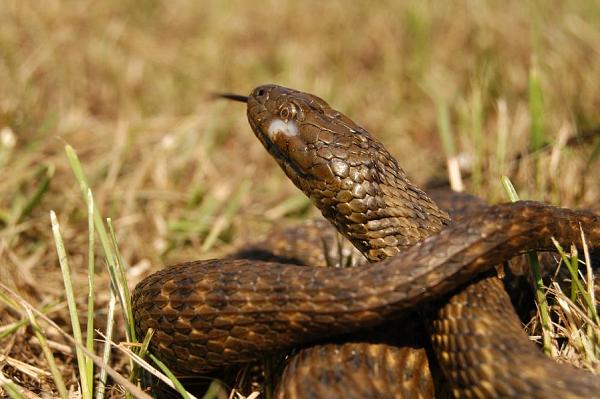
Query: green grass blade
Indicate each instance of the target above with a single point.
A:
(212, 391)
(91, 291)
(122, 283)
(476, 134)
(502, 139)
(540, 293)
(10, 329)
(178, 387)
(141, 353)
(146, 342)
(510, 189)
(47, 175)
(10, 387)
(56, 375)
(72, 305)
(537, 139)
(110, 322)
(293, 205)
(111, 265)
(445, 131)
(81, 179)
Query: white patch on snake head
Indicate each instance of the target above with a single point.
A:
(288, 128)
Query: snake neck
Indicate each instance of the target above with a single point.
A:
(378, 209)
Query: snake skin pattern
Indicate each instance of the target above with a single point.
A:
(216, 313)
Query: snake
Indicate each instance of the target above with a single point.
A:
(212, 314)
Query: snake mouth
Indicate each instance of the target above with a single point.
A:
(286, 163)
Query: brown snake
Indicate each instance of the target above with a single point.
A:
(215, 313)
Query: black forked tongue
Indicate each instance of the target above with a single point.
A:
(231, 96)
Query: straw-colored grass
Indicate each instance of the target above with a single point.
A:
(126, 85)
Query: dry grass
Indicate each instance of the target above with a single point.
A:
(126, 83)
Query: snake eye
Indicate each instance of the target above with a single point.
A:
(288, 112)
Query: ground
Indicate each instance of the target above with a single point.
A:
(127, 84)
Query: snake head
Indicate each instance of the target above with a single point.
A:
(312, 142)
(345, 172)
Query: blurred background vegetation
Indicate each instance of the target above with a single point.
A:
(127, 84)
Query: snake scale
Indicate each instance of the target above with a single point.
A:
(212, 314)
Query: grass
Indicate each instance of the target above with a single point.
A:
(125, 85)
(536, 274)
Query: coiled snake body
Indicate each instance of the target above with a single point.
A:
(215, 313)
